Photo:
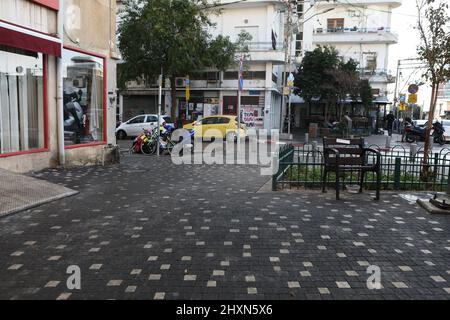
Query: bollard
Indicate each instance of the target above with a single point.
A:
(388, 141)
(397, 173)
(314, 145)
(306, 138)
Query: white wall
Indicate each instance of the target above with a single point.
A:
(28, 14)
(258, 21)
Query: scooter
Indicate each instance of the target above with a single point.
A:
(415, 133)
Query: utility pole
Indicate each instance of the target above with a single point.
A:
(287, 58)
(396, 88)
(159, 110)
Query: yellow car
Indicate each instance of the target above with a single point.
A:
(220, 126)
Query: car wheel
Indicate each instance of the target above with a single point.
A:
(410, 139)
(121, 134)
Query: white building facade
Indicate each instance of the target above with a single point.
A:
(361, 30)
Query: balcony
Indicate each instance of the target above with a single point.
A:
(354, 35)
(378, 75)
(264, 52)
(392, 3)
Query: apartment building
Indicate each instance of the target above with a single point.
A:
(361, 30)
(358, 29)
(57, 83)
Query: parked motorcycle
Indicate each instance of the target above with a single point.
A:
(416, 133)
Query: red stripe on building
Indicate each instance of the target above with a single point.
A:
(25, 41)
(52, 4)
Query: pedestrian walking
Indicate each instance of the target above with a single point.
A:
(389, 120)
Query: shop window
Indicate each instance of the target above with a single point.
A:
(231, 75)
(83, 98)
(21, 100)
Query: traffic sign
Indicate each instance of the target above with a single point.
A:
(413, 88)
(412, 98)
(290, 80)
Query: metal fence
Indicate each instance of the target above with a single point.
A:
(302, 167)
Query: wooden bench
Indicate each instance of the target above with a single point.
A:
(342, 155)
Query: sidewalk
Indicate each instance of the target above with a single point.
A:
(19, 192)
(147, 229)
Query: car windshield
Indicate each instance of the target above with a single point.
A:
(167, 119)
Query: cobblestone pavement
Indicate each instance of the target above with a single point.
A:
(147, 229)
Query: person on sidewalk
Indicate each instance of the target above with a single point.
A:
(389, 120)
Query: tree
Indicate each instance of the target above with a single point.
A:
(324, 74)
(346, 83)
(434, 50)
(365, 93)
(170, 35)
(313, 78)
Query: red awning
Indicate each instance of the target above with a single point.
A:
(27, 41)
(52, 4)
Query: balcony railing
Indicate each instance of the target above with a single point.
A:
(261, 46)
(352, 30)
(370, 73)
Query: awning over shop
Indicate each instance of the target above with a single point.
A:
(18, 37)
(382, 100)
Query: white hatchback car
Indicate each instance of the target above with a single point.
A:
(136, 125)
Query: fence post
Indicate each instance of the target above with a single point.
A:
(436, 161)
(275, 176)
(448, 182)
(397, 173)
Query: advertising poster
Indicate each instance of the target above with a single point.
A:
(252, 116)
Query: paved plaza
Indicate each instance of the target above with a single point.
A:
(147, 229)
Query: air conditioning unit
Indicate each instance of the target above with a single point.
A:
(180, 82)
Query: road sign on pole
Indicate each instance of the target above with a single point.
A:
(413, 88)
(412, 98)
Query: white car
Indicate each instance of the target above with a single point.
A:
(446, 125)
(136, 125)
(420, 123)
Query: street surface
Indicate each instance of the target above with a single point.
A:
(147, 229)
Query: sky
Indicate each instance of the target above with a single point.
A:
(404, 21)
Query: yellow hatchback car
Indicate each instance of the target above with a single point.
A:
(220, 126)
